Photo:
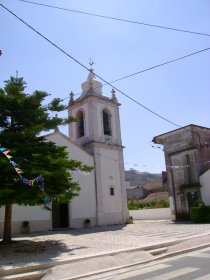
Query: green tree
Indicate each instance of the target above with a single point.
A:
(22, 118)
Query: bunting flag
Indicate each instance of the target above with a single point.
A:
(47, 201)
(39, 181)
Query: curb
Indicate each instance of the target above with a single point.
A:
(44, 266)
(167, 255)
(159, 248)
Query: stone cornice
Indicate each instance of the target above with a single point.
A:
(102, 99)
(103, 145)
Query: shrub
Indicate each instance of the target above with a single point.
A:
(162, 204)
(130, 220)
(200, 214)
(134, 204)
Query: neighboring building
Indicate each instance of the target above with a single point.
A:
(153, 191)
(135, 192)
(156, 196)
(205, 183)
(94, 139)
(187, 157)
(152, 187)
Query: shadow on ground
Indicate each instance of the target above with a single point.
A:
(32, 251)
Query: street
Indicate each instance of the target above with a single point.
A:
(194, 265)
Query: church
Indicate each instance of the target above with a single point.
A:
(94, 139)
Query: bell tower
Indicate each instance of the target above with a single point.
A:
(97, 130)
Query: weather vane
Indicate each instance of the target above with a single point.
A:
(91, 63)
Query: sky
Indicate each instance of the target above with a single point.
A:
(179, 91)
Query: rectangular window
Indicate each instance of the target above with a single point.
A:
(111, 190)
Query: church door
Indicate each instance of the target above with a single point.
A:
(60, 215)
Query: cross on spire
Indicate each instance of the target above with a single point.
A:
(91, 62)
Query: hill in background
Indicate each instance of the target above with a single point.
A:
(140, 179)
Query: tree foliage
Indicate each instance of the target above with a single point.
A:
(22, 119)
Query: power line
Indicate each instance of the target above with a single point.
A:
(71, 57)
(116, 19)
(151, 68)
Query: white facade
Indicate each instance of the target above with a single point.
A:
(83, 206)
(97, 130)
(94, 139)
(39, 218)
(205, 187)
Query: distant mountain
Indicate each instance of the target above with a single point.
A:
(137, 178)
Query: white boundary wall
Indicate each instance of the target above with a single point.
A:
(151, 214)
(39, 219)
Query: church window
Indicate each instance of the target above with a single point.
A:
(111, 191)
(80, 125)
(106, 123)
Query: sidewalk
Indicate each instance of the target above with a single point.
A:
(47, 249)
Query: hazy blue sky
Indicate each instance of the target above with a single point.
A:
(178, 91)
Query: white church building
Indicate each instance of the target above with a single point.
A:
(94, 139)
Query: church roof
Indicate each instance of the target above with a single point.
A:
(69, 139)
(92, 87)
(158, 139)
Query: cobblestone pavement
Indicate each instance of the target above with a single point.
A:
(51, 246)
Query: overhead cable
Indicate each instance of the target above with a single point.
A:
(116, 19)
(74, 59)
(152, 67)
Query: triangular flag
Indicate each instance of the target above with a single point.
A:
(2, 149)
(18, 170)
(6, 152)
(13, 163)
(8, 156)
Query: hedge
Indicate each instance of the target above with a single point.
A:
(200, 214)
(135, 204)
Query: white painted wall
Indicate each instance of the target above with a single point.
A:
(84, 205)
(27, 213)
(205, 187)
(39, 219)
(151, 214)
(110, 177)
(75, 151)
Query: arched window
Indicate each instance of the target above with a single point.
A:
(106, 123)
(80, 124)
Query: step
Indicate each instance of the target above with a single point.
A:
(36, 275)
(158, 251)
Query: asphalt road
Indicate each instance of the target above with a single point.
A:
(191, 266)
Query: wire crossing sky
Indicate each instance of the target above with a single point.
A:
(125, 53)
(114, 18)
(102, 79)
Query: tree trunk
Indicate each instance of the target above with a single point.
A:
(7, 235)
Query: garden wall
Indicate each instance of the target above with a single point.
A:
(151, 214)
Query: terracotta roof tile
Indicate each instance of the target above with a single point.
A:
(156, 196)
(153, 186)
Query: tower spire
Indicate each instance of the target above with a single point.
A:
(91, 86)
